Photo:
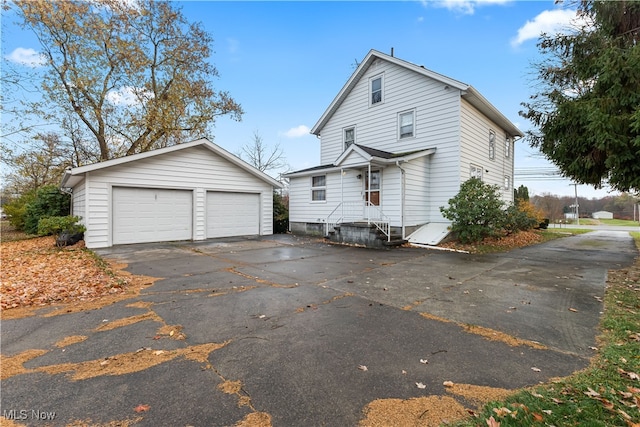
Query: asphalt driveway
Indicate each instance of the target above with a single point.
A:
(285, 326)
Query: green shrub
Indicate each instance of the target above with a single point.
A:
(17, 209)
(522, 215)
(476, 211)
(280, 213)
(58, 224)
(49, 201)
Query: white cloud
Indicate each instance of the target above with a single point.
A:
(127, 96)
(297, 132)
(467, 7)
(557, 21)
(28, 57)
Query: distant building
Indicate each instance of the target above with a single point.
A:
(602, 215)
(570, 215)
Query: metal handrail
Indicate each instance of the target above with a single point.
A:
(361, 210)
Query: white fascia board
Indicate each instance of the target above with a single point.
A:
(366, 156)
(312, 172)
(67, 180)
(476, 99)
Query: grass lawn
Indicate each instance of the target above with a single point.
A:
(622, 222)
(605, 394)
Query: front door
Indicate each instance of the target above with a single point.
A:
(372, 187)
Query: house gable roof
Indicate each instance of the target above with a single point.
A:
(467, 92)
(73, 176)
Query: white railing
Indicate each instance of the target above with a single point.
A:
(358, 211)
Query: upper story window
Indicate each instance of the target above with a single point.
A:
(475, 172)
(349, 137)
(376, 90)
(492, 145)
(406, 124)
(507, 148)
(319, 188)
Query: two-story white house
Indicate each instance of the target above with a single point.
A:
(396, 144)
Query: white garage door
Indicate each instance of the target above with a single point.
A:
(232, 214)
(143, 215)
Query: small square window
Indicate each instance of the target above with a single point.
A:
(349, 137)
(492, 145)
(475, 172)
(406, 124)
(376, 90)
(318, 188)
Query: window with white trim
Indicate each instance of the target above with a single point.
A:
(507, 182)
(492, 145)
(319, 188)
(376, 90)
(349, 136)
(406, 124)
(507, 148)
(475, 172)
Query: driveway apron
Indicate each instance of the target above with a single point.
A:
(306, 332)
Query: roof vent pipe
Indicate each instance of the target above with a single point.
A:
(392, 51)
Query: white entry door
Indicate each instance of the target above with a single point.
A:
(142, 215)
(232, 214)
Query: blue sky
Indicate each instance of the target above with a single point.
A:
(286, 61)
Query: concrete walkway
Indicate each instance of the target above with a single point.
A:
(281, 325)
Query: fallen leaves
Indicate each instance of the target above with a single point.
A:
(142, 408)
(512, 241)
(36, 273)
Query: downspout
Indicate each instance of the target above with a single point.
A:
(342, 193)
(367, 188)
(402, 196)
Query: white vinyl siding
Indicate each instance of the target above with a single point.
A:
(232, 214)
(418, 203)
(78, 205)
(437, 111)
(142, 215)
(196, 169)
(476, 129)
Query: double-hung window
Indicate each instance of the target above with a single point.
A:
(406, 124)
(507, 147)
(492, 145)
(349, 137)
(507, 182)
(319, 188)
(376, 90)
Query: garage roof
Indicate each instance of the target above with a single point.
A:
(73, 176)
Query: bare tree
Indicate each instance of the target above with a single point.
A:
(260, 155)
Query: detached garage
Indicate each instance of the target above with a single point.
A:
(191, 191)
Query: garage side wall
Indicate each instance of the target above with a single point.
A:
(196, 169)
